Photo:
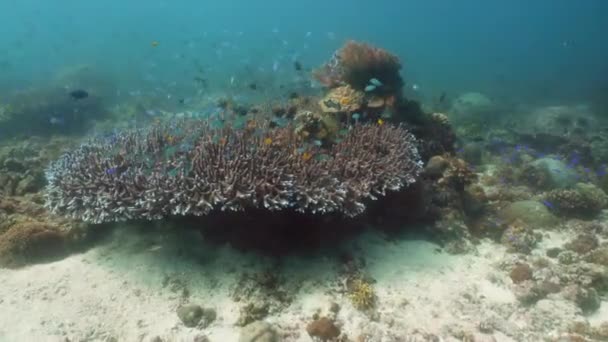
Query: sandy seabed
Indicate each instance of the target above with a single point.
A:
(129, 287)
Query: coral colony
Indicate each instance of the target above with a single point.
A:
(192, 168)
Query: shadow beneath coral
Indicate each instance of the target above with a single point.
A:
(289, 232)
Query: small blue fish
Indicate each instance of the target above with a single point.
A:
(111, 171)
(317, 142)
(370, 87)
(376, 82)
(548, 204)
(356, 116)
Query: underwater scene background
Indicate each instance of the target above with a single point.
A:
(304, 170)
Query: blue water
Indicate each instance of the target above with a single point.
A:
(542, 50)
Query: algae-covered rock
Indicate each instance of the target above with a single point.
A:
(31, 242)
(323, 329)
(532, 213)
(193, 315)
(557, 174)
(259, 331)
(472, 105)
(520, 238)
(584, 201)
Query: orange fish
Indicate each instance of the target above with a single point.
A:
(380, 122)
(154, 43)
(344, 101)
(306, 156)
(267, 141)
(223, 141)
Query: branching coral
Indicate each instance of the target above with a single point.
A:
(362, 294)
(356, 63)
(191, 168)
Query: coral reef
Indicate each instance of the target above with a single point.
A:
(583, 201)
(519, 238)
(356, 63)
(342, 99)
(22, 164)
(316, 126)
(190, 168)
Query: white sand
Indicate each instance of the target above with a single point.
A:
(120, 289)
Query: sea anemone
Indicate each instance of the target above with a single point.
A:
(192, 168)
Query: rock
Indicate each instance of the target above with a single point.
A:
(601, 332)
(251, 312)
(556, 173)
(584, 201)
(474, 200)
(472, 153)
(323, 329)
(567, 258)
(259, 331)
(471, 105)
(553, 252)
(531, 213)
(529, 293)
(32, 242)
(190, 314)
(14, 165)
(583, 243)
(201, 338)
(587, 300)
(28, 184)
(599, 256)
(209, 316)
(436, 166)
(561, 120)
(520, 273)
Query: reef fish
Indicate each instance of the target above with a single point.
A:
(370, 87)
(376, 82)
(79, 94)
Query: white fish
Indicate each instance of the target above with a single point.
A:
(370, 87)
(375, 82)
(415, 87)
(275, 30)
(154, 248)
(232, 80)
(308, 34)
(275, 66)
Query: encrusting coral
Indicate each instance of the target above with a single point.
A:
(191, 168)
